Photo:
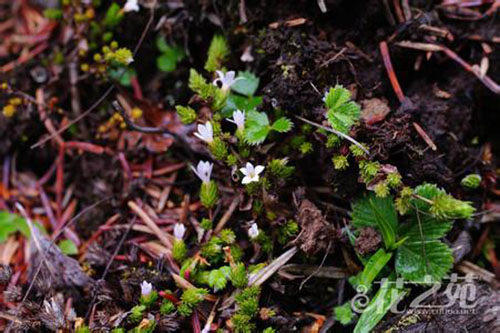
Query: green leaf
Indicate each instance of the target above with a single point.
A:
(372, 211)
(68, 247)
(431, 228)
(342, 114)
(11, 223)
(113, 16)
(373, 267)
(337, 96)
(161, 44)
(165, 63)
(256, 127)
(171, 55)
(387, 295)
(282, 125)
(246, 84)
(238, 102)
(122, 74)
(217, 280)
(416, 259)
(343, 313)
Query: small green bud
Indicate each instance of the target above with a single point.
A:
(340, 162)
(184, 310)
(179, 250)
(186, 114)
(471, 181)
(332, 141)
(136, 313)
(209, 194)
(368, 169)
(227, 236)
(278, 168)
(238, 275)
(381, 189)
(356, 150)
(193, 296)
(306, 148)
(231, 160)
(167, 307)
(218, 148)
(206, 224)
(394, 179)
(444, 206)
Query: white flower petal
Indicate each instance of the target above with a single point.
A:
(179, 231)
(146, 288)
(246, 180)
(249, 167)
(259, 169)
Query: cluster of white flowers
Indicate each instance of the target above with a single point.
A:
(251, 174)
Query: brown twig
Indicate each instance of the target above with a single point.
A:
(162, 236)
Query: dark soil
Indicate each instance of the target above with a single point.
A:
(295, 65)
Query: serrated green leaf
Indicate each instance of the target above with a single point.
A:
(68, 247)
(256, 127)
(217, 280)
(282, 125)
(386, 296)
(342, 114)
(431, 228)
(416, 259)
(337, 96)
(246, 84)
(256, 119)
(256, 135)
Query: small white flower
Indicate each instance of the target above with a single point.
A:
(238, 119)
(146, 288)
(131, 6)
(226, 80)
(179, 230)
(251, 173)
(247, 55)
(253, 231)
(203, 171)
(205, 132)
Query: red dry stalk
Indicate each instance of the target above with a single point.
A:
(134, 82)
(85, 146)
(59, 183)
(384, 50)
